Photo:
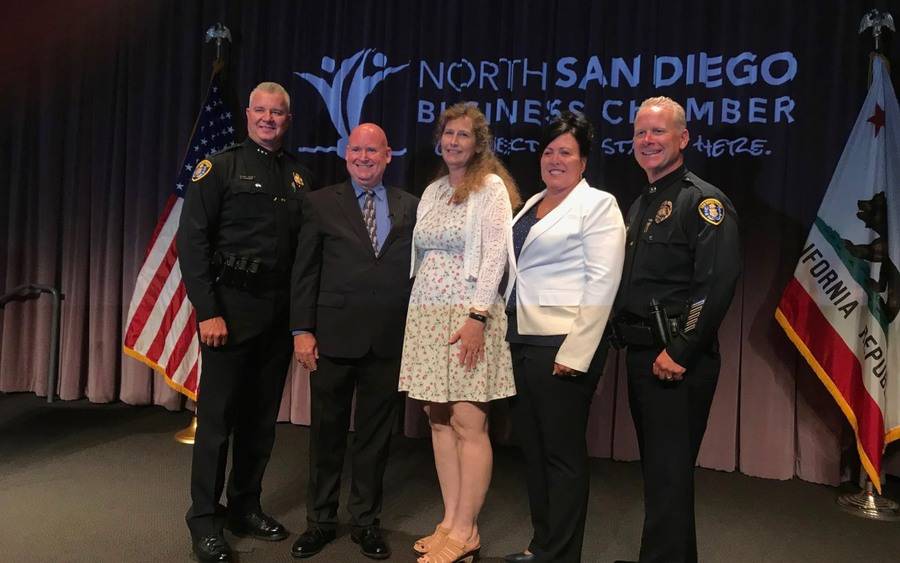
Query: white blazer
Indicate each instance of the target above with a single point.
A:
(568, 272)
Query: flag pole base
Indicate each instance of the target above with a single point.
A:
(868, 504)
(186, 435)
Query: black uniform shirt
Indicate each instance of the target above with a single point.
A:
(243, 201)
(682, 247)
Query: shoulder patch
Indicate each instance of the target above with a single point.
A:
(712, 211)
(203, 168)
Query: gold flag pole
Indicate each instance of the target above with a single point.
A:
(186, 434)
(218, 33)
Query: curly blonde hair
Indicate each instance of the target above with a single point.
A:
(483, 162)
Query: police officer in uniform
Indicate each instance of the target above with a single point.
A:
(236, 242)
(682, 262)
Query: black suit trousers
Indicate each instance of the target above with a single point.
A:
(239, 395)
(550, 415)
(377, 400)
(670, 420)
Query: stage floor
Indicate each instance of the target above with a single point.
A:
(97, 483)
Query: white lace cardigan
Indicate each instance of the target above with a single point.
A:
(488, 220)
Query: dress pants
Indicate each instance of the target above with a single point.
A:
(240, 395)
(377, 400)
(550, 415)
(670, 419)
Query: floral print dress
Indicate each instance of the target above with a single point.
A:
(442, 296)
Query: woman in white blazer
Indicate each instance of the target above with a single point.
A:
(565, 260)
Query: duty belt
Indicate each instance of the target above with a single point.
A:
(640, 332)
(247, 274)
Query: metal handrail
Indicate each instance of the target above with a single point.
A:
(33, 291)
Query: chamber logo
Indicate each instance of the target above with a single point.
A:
(344, 89)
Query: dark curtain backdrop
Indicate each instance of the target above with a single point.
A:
(99, 100)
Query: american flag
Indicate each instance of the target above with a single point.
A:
(161, 326)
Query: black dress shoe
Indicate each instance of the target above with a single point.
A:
(212, 549)
(521, 557)
(371, 542)
(311, 542)
(256, 525)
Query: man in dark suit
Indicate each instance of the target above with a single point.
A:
(350, 292)
(235, 242)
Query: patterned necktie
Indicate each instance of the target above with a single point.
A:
(369, 218)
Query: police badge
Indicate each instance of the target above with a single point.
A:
(712, 211)
(298, 181)
(202, 169)
(665, 209)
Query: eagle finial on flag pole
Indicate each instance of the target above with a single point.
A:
(876, 21)
(219, 32)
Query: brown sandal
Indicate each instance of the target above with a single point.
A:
(452, 551)
(426, 544)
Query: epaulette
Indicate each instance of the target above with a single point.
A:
(701, 185)
(691, 179)
(229, 148)
(290, 155)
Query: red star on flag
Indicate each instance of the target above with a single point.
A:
(877, 119)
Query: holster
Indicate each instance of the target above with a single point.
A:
(643, 333)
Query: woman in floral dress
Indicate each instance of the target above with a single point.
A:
(455, 357)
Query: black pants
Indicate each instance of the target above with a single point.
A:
(670, 419)
(550, 415)
(240, 394)
(377, 399)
